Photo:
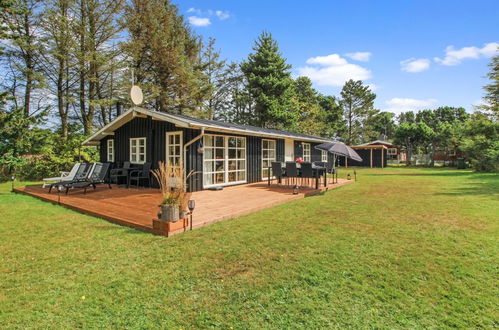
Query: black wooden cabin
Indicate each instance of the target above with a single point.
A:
(219, 153)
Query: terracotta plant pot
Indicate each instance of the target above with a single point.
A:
(170, 213)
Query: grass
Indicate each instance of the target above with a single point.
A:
(401, 248)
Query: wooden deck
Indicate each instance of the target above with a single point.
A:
(136, 208)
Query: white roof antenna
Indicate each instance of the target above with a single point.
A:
(136, 93)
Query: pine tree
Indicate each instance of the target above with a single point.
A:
(357, 103)
(492, 89)
(21, 24)
(270, 84)
(312, 117)
(165, 55)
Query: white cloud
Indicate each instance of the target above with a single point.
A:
(398, 104)
(199, 21)
(329, 60)
(455, 56)
(359, 56)
(333, 70)
(222, 15)
(194, 11)
(415, 65)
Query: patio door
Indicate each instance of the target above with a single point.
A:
(224, 160)
(174, 146)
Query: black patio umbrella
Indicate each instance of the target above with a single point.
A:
(339, 148)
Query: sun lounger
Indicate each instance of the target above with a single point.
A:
(98, 176)
(65, 176)
(83, 172)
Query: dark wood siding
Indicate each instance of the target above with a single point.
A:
(155, 133)
(365, 154)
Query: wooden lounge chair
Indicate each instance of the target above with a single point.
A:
(98, 176)
(64, 176)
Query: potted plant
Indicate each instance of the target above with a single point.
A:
(173, 188)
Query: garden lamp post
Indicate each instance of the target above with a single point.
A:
(59, 189)
(12, 178)
(295, 190)
(355, 175)
(191, 205)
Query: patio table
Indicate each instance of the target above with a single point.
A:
(318, 170)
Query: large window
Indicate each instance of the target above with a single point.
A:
(224, 160)
(174, 148)
(138, 150)
(306, 152)
(324, 156)
(110, 150)
(268, 156)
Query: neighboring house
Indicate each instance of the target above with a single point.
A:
(219, 153)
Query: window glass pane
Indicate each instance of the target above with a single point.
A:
(219, 141)
(232, 165)
(219, 178)
(265, 144)
(177, 138)
(242, 143)
(219, 165)
(219, 153)
(241, 176)
(232, 176)
(241, 165)
(265, 154)
(208, 167)
(272, 154)
(208, 141)
(208, 179)
(232, 142)
(177, 150)
(240, 153)
(134, 142)
(232, 153)
(208, 153)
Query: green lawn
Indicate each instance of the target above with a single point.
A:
(399, 248)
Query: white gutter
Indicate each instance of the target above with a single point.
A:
(185, 153)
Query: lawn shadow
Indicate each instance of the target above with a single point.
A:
(477, 184)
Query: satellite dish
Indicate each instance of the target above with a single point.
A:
(136, 95)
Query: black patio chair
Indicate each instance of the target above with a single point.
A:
(122, 172)
(291, 172)
(277, 172)
(141, 174)
(98, 176)
(84, 171)
(306, 172)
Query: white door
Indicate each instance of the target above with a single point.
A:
(289, 150)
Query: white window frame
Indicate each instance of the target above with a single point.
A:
(137, 150)
(269, 159)
(324, 156)
(181, 145)
(226, 160)
(391, 152)
(308, 156)
(110, 150)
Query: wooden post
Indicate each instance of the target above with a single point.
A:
(371, 158)
(382, 157)
(346, 162)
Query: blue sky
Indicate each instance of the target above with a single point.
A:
(415, 54)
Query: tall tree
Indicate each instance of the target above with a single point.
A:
(270, 84)
(335, 124)
(96, 28)
(165, 54)
(311, 116)
(492, 89)
(357, 102)
(59, 42)
(381, 126)
(217, 75)
(21, 23)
